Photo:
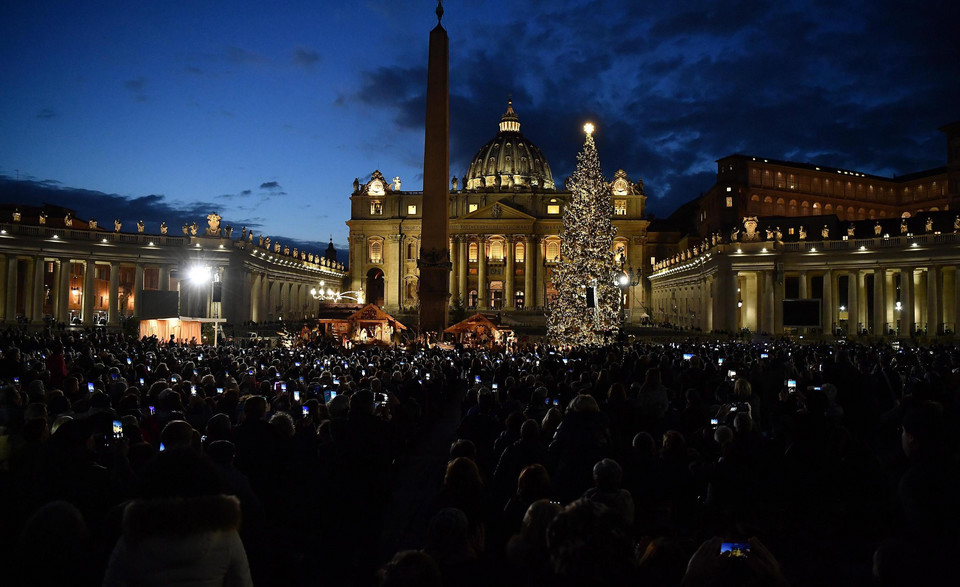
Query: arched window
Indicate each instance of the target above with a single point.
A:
(472, 252)
(411, 251)
(496, 250)
(376, 250)
(553, 250)
(519, 252)
(472, 299)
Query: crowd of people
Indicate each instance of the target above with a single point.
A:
(133, 461)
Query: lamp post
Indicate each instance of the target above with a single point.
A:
(626, 279)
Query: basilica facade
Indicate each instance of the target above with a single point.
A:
(505, 219)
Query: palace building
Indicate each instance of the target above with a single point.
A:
(881, 255)
(505, 220)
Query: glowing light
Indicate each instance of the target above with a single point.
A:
(199, 274)
(588, 128)
(624, 280)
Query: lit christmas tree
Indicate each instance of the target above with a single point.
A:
(587, 267)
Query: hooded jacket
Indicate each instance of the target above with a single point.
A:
(180, 541)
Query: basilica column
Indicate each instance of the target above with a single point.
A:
(113, 313)
(254, 308)
(934, 307)
(12, 277)
(906, 301)
(89, 272)
(538, 272)
(483, 290)
(509, 277)
(735, 314)
(137, 291)
(463, 264)
(804, 283)
(528, 272)
(853, 303)
(778, 295)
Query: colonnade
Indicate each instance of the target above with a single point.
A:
(503, 270)
(270, 298)
(29, 294)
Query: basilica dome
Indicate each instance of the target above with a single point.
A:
(509, 162)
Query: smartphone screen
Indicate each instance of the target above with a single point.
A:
(476, 379)
(687, 356)
(720, 361)
(283, 387)
(90, 386)
(117, 429)
(731, 373)
(193, 390)
(495, 386)
(736, 549)
(714, 422)
(791, 383)
(296, 396)
(129, 360)
(219, 390)
(141, 381)
(153, 410)
(306, 411)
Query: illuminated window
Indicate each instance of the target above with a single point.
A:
(472, 252)
(553, 251)
(376, 251)
(620, 207)
(553, 209)
(411, 209)
(729, 201)
(376, 207)
(471, 208)
(496, 250)
(519, 252)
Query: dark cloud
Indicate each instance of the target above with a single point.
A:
(136, 88)
(242, 56)
(152, 209)
(46, 114)
(305, 57)
(673, 87)
(270, 185)
(246, 192)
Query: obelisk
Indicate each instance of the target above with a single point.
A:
(434, 262)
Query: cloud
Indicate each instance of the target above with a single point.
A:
(673, 87)
(305, 57)
(136, 88)
(246, 192)
(270, 185)
(46, 114)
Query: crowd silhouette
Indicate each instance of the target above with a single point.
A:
(129, 461)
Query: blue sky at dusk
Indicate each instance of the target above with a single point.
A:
(265, 113)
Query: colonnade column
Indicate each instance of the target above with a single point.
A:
(528, 272)
(734, 322)
(113, 314)
(138, 291)
(11, 305)
(89, 271)
(482, 289)
(803, 285)
(63, 291)
(879, 302)
(508, 281)
(906, 300)
(254, 297)
(853, 302)
(778, 294)
(934, 307)
(164, 277)
(826, 321)
(36, 292)
(462, 266)
(767, 302)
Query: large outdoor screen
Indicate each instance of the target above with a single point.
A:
(801, 313)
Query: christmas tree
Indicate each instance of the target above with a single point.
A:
(587, 267)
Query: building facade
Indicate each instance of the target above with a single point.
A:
(880, 254)
(505, 221)
(59, 268)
